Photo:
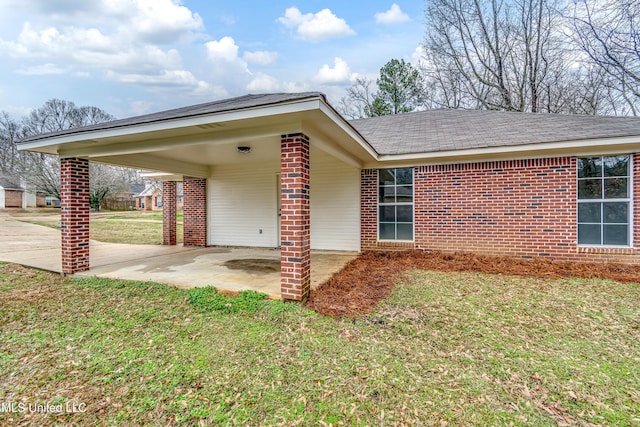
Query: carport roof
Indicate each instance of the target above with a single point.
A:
(225, 105)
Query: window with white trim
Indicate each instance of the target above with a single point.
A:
(395, 204)
(604, 201)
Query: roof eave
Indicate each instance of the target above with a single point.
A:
(298, 105)
(585, 147)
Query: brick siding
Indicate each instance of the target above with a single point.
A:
(12, 199)
(74, 204)
(525, 208)
(295, 221)
(168, 212)
(195, 211)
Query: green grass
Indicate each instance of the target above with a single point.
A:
(133, 232)
(143, 215)
(445, 348)
(123, 229)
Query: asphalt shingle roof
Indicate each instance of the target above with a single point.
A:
(9, 183)
(442, 130)
(419, 132)
(232, 104)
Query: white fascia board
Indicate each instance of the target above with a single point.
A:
(620, 145)
(348, 129)
(219, 117)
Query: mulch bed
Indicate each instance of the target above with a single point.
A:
(366, 280)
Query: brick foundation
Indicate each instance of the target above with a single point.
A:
(74, 211)
(195, 211)
(295, 252)
(168, 212)
(524, 208)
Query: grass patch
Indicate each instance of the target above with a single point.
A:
(132, 232)
(138, 228)
(456, 348)
(143, 215)
(208, 299)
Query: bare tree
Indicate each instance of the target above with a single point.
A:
(9, 134)
(359, 100)
(609, 33)
(495, 54)
(42, 171)
(105, 180)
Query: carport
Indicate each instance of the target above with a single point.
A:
(228, 269)
(261, 171)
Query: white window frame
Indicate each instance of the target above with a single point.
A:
(412, 204)
(602, 201)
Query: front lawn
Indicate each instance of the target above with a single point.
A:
(444, 349)
(135, 227)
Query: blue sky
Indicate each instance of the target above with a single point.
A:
(132, 57)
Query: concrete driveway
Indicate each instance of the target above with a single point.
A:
(228, 269)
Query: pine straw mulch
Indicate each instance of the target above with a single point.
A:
(366, 280)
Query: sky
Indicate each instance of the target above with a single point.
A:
(132, 57)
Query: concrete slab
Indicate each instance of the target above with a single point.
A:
(228, 269)
(219, 267)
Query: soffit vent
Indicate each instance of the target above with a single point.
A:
(210, 126)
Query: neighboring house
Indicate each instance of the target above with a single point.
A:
(12, 194)
(52, 202)
(123, 201)
(150, 199)
(286, 170)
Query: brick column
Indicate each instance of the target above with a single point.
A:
(368, 209)
(168, 212)
(295, 251)
(74, 211)
(195, 211)
(635, 218)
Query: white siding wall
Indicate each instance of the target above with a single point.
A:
(28, 200)
(1, 198)
(243, 201)
(335, 204)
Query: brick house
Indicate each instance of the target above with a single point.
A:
(11, 194)
(286, 170)
(150, 198)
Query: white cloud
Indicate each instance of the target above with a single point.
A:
(263, 83)
(224, 49)
(340, 73)
(392, 16)
(158, 21)
(418, 57)
(139, 108)
(318, 26)
(121, 38)
(261, 57)
(43, 69)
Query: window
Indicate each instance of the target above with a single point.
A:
(604, 195)
(159, 201)
(395, 204)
